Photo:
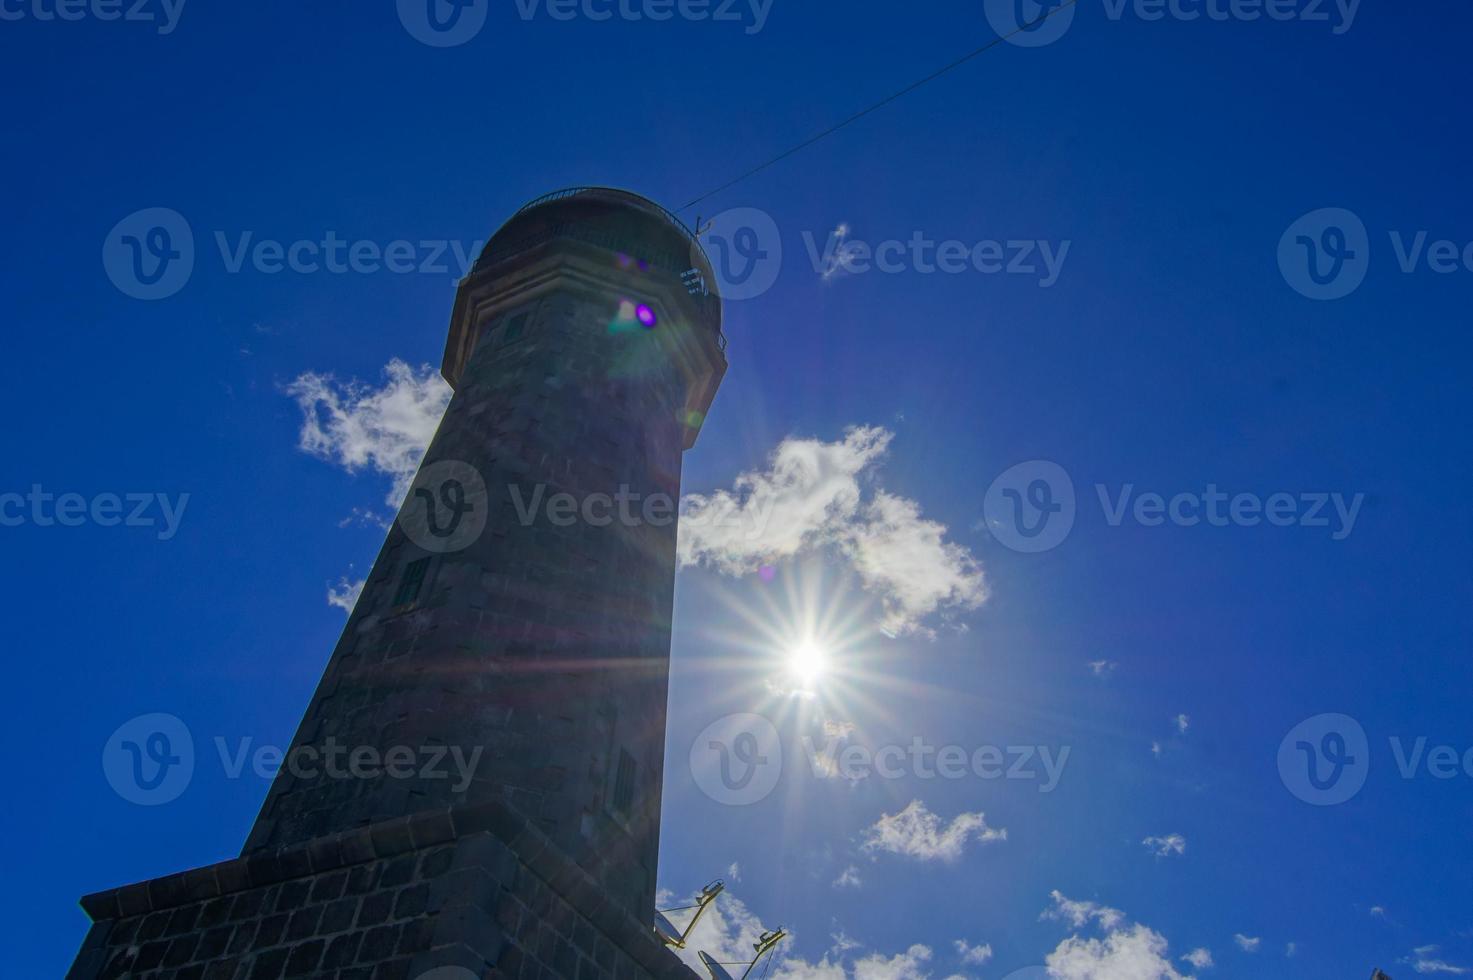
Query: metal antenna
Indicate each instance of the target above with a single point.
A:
(677, 938)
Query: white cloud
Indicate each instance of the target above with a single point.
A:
(1291, 949)
(1248, 944)
(1166, 846)
(811, 497)
(905, 559)
(1183, 723)
(809, 490)
(848, 878)
(1134, 953)
(1156, 749)
(345, 594)
(1377, 912)
(973, 955)
(734, 872)
(908, 965)
(1102, 667)
(1200, 958)
(1424, 960)
(1125, 952)
(728, 930)
(384, 429)
(917, 832)
(1077, 914)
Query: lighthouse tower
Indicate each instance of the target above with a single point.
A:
(476, 781)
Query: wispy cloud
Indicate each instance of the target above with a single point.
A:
(848, 878)
(383, 428)
(1200, 958)
(918, 833)
(812, 496)
(1248, 944)
(1424, 960)
(1166, 846)
(973, 955)
(1078, 914)
(1182, 724)
(345, 594)
(1101, 668)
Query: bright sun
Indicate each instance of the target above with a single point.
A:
(807, 663)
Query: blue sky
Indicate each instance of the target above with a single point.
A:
(1172, 354)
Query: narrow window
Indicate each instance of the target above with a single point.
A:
(412, 582)
(514, 328)
(624, 784)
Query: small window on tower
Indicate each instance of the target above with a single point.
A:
(412, 582)
(624, 784)
(514, 327)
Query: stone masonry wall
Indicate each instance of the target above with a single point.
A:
(473, 887)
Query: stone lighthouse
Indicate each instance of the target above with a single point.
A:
(476, 781)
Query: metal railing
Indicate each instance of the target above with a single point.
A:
(636, 199)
